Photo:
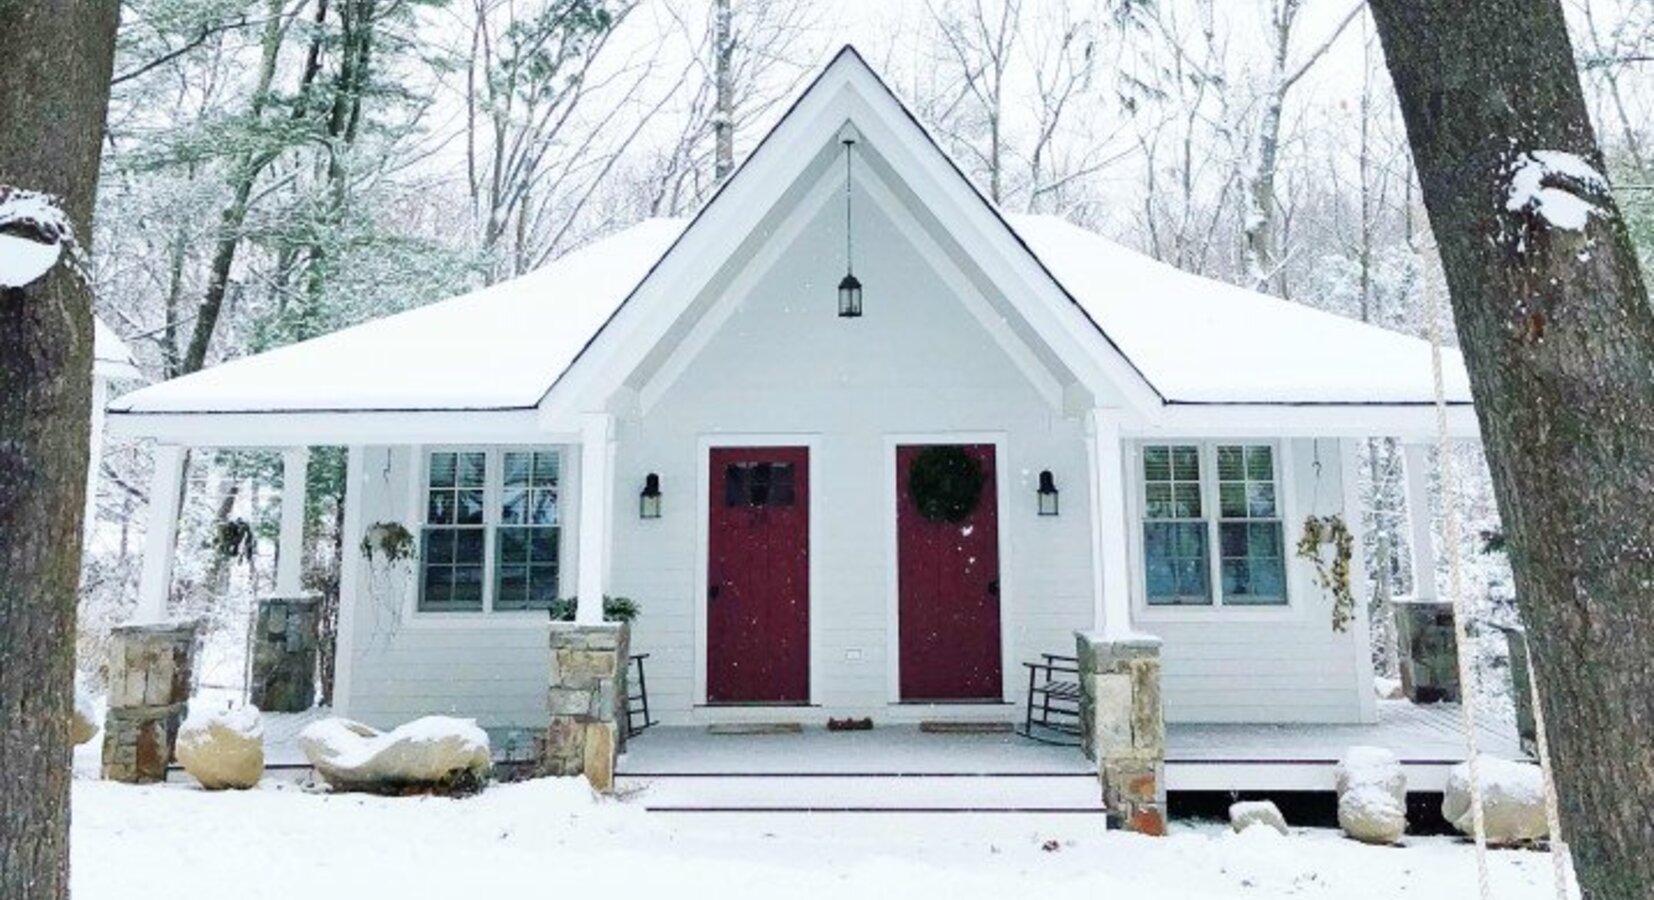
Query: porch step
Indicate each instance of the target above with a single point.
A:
(891, 793)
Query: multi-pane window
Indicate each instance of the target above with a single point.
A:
(526, 571)
(491, 534)
(1174, 529)
(1253, 566)
(455, 533)
(1180, 484)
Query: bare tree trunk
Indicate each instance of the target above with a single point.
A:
(1559, 339)
(56, 59)
(723, 119)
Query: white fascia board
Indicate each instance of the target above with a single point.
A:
(1353, 420)
(991, 243)
(295, 429)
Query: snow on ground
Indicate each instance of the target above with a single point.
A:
(552, 837)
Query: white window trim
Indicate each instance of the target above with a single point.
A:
(1286, 507)
(493, 481)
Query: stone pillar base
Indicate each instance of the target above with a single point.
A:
(1123, 727)
(1428, 650)
(151, 673)
(587, 701)
(285, 636)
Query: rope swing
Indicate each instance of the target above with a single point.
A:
(1467, 674)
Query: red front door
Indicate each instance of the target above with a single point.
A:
(758, 576)
(948, 592)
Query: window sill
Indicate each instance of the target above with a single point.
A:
(477, 621)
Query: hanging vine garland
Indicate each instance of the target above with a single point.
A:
(945, 483)
(1320, 530)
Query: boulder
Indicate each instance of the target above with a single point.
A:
(1371, 814)
(1388, 688)
(1372, 795)
(223, 748)
(83, 722)
(435, 753)
(1513, 801)
(1248, 813)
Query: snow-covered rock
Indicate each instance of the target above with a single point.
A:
(1513, 800)
(83, 722)
(1387, 688)
(434, 752)
(222, 748)
(1372, 795)
(1370, 814)
(1248, 813)
(34, 230)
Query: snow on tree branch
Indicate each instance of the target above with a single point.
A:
(1557, 186)
(34, 233)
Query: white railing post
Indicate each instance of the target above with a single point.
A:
(295, 472)
(596, 458)
(1423, 542)
(166, 490)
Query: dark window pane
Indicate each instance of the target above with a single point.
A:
(514, 506)
(543, 508)
(1232, 500)
(470, 507)
(467, 587)
(511, 588)
(1186, 463)
(473, 469)
(546, 466)
(1191, 578)
(1263, 539)
(439, 546)
(1236, 578)
(440, 508)
(1187, 500)
(781, 485)
(735, 485)
(1260, 463)
(1159, 501)
(1157, 463)
(443, 467)
(542, 588)
(517, 467)
(468, 544)
(543, 545)
(1232, 539)
(1191, 539)
(438, 587)
(1260, 500)
(1231, 466)
(513, 544)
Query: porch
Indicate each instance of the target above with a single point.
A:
(904, 768)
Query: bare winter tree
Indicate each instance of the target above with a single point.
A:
(1262, 261)
(1558, 335)
(56, 59)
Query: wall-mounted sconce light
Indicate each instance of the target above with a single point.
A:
(1047, 494)
(648, 500)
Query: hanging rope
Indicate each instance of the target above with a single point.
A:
(1553, 816)
(1455, 580)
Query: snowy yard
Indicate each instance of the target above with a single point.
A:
(552, 837)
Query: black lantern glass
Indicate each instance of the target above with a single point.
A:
(648, 501)
(849, 297)
(849, 290)
(1047, 494)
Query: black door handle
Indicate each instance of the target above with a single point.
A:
(993, 588)
(712, 592)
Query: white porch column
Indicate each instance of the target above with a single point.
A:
(1415, 465)
(166, 489)
(94, 461)
(295, 473)
(596, 478)
(1109, 557)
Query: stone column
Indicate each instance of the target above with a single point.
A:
(587, 700)
(1428, 650)
(1123, 726)
(150, 678)
(284, 653)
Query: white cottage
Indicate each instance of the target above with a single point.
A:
(687, 414)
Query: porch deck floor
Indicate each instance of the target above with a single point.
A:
(1416, 734)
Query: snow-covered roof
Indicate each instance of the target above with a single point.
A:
(501, 347)
(1195, 340)
(1155, 333)
(111, 358)
(1198, 340)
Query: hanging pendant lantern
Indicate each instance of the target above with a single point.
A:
(849, 289)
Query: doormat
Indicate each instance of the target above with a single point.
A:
(756, 728)
(965, 727)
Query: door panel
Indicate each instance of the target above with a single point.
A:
(948, 593)
(758, 576)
